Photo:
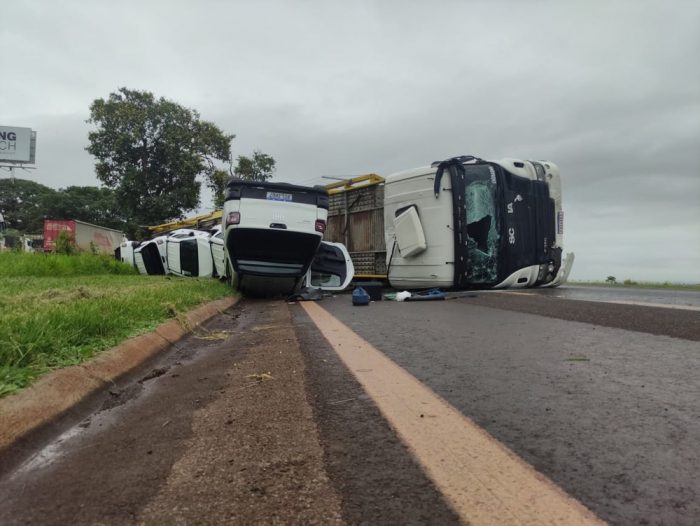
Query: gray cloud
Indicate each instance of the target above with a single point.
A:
(607, 90)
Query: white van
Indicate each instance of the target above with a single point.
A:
(125, 252)
(188, 253)
(151, 257)
(467, 223)
(216, 245)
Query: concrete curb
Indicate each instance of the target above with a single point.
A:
(56, 393)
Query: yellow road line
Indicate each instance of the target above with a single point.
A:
(484, 482)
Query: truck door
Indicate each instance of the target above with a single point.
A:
(331, 269)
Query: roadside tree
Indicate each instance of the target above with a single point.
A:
(23, 204)
(217, 184)
(259, 167)
(151, 152)
(86, 203)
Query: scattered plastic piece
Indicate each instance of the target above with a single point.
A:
(360, 296)
(307, 294)
(427, 295)
(373, 288)
(401, 296)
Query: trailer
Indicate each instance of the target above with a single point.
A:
(84, 236)
(356, 219)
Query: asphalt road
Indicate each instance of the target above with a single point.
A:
(647, 296)
(606, 406)
(256, 419)
(241, 423)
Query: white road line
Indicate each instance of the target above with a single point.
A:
(484, 482)
(646, 304)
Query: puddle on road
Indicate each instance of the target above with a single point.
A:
(49, 454)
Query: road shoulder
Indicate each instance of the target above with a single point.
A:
(62, 392)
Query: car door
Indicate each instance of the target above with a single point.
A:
(331, 269)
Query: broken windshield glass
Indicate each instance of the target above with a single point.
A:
(482, 224)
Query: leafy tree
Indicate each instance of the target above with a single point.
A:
(611, 279)
(151, 151)
(86, 203)
(217, 183)
(23, 204)
(260, 167)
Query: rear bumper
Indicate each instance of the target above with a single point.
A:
(272, 253)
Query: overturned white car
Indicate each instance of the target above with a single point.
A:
(272, 233)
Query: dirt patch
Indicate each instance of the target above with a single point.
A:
(256, 458)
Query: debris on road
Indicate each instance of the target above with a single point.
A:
(213, 335)
(306, 294)
(360, 297)
(261, 377)
(427, 295)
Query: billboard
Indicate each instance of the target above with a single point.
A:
(17, 145)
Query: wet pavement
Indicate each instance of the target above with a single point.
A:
(218, 431)
(256, 420)
(251, 421)
(668, 297)
(610, 414)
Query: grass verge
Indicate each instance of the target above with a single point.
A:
(57, 319)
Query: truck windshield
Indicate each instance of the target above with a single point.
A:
(482, 224)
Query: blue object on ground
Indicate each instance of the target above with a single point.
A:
(427, 295)
(360, 296)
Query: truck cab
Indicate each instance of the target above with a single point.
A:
(466, 223)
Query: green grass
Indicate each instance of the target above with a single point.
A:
(38, 265)
(639, 285)
(75, 306)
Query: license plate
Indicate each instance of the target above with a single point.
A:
(278, 196)
(560, 222)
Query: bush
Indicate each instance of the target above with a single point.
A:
(65, 244)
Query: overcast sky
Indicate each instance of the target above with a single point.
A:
(608, 90)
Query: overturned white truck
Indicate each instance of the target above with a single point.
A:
(273, 239)
(462, 223)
